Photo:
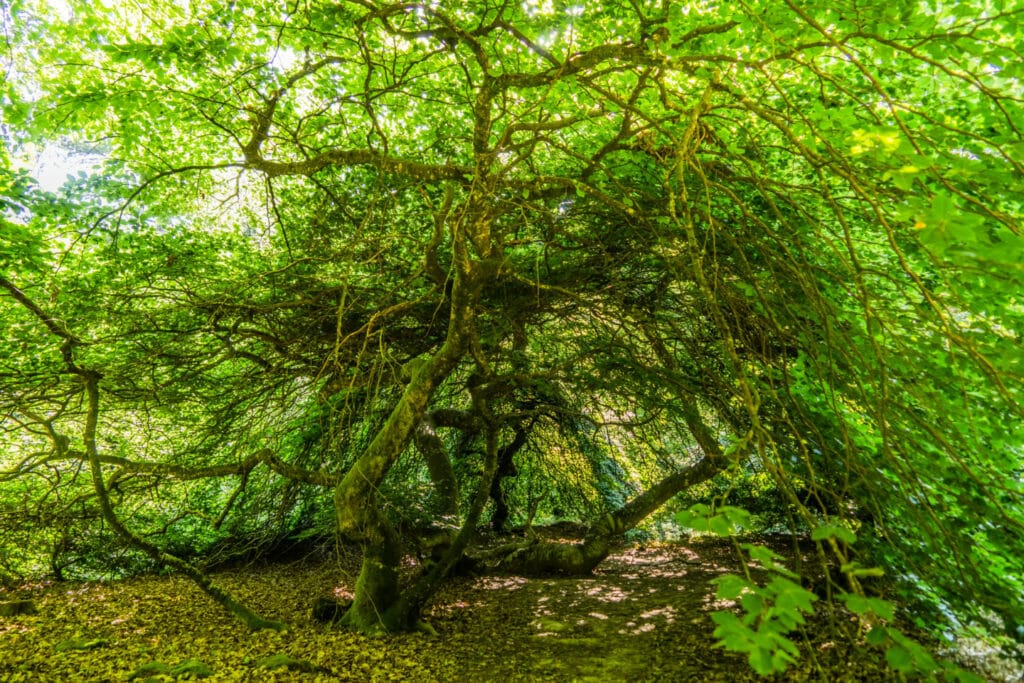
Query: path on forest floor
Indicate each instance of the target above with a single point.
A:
(626, 622)
(644, 615)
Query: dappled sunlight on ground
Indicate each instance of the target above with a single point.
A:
(607, 593)
(642, 616)
(505, 583)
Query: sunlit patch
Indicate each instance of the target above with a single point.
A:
(608, 593)
(689, 556)
(509, 583)
(646, 559)
(668, 612)
(713, 604)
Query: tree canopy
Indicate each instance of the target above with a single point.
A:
(367, 267)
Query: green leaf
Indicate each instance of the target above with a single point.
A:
(80, 644)
(826, 531)
(762, 661)
(769, 559)
(859, 604)
(899, 659)
(731, 586)
(876, 636)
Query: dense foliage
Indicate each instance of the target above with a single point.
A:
(374, 268)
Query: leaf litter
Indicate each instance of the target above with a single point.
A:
(643, 615)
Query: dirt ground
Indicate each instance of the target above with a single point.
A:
(642, 616)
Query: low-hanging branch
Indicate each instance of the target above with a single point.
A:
(91, 380)
(185, 473)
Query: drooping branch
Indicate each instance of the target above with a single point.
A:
(185, 473)
(91, 381)
(251, 619)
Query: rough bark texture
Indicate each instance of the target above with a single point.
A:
(377, 586)
(375, 606)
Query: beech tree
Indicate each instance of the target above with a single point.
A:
(338, 258)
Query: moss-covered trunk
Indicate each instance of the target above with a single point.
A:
(356, 504)
(581, 558)
(375, 605)
(446, 485)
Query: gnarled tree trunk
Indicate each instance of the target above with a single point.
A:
(374, 607)
(581, 558)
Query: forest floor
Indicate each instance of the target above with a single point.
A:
(642, 616)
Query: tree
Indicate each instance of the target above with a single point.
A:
(664, 242)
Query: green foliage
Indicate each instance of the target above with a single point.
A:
(724, 520)
(770, 612)
(189, 667)
(835, 531)
(80, 643)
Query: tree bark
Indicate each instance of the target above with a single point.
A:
(581, 558)
(355, 499)
(415, 597)
(430, 446)
(506, 470)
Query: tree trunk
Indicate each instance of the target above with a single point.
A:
(357, 509)
(581, 558)
(506, 469)
(415, 597)
(430, 446)
(375, 606)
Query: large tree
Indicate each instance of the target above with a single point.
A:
(348, 247)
